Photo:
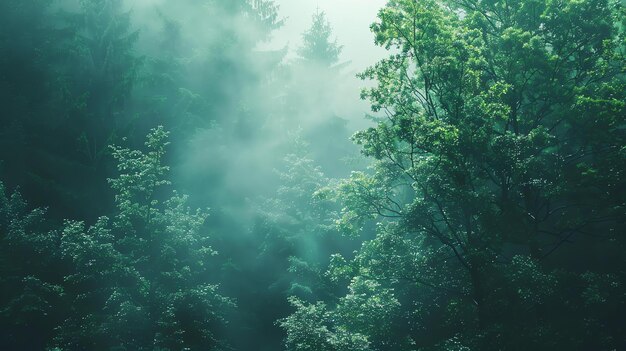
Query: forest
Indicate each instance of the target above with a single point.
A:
(173, 176)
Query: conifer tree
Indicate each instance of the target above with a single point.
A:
(318, 47)
(314, 93)
(31, 276)
(103, 71)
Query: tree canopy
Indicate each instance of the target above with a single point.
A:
(494, 199)
(173, 178)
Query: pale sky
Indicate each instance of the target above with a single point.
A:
(350, 20)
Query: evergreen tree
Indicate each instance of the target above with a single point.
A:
(29, 55)
(318, 47)
(296, 227)
(31, 276)
(288, 241)
(67, 78)
(314, 93)
(103, 72)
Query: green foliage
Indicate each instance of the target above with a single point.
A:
(307, 329)
(369, 309)
(140, 177)
(314, 110)
(491, 218)
(295, 227)
(317, 47)
(32, 291)
(296, 237)
(487, 167)
(67, 81)
(140, 280)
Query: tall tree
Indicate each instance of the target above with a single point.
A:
(315, 91)
(141, 279)
(318, 46)
(103, 72)
(28, 56)
(198, 74)
(489, 184)
(67, 77)
(31, 276)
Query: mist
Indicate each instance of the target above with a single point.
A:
(255, 130)
(261, 175)
(350, 19)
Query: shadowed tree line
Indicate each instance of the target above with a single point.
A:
(97, 252)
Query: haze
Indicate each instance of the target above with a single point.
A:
(258, 175)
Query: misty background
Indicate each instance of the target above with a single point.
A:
(259, 118)
(350, 19)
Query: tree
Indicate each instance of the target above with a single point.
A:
(486, 170)
(308, 330)
(31, 276)
(67, 78)
(315, 90)
(317, 46)
(288, 241)
(103, 72)
(29, 55)
(194, 75)
(140, 279)
(212, 88)
(295, 228)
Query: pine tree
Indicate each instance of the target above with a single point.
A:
(318, 47)
(74, 96)
(102, 72)
(31, 276)
(314, 93)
